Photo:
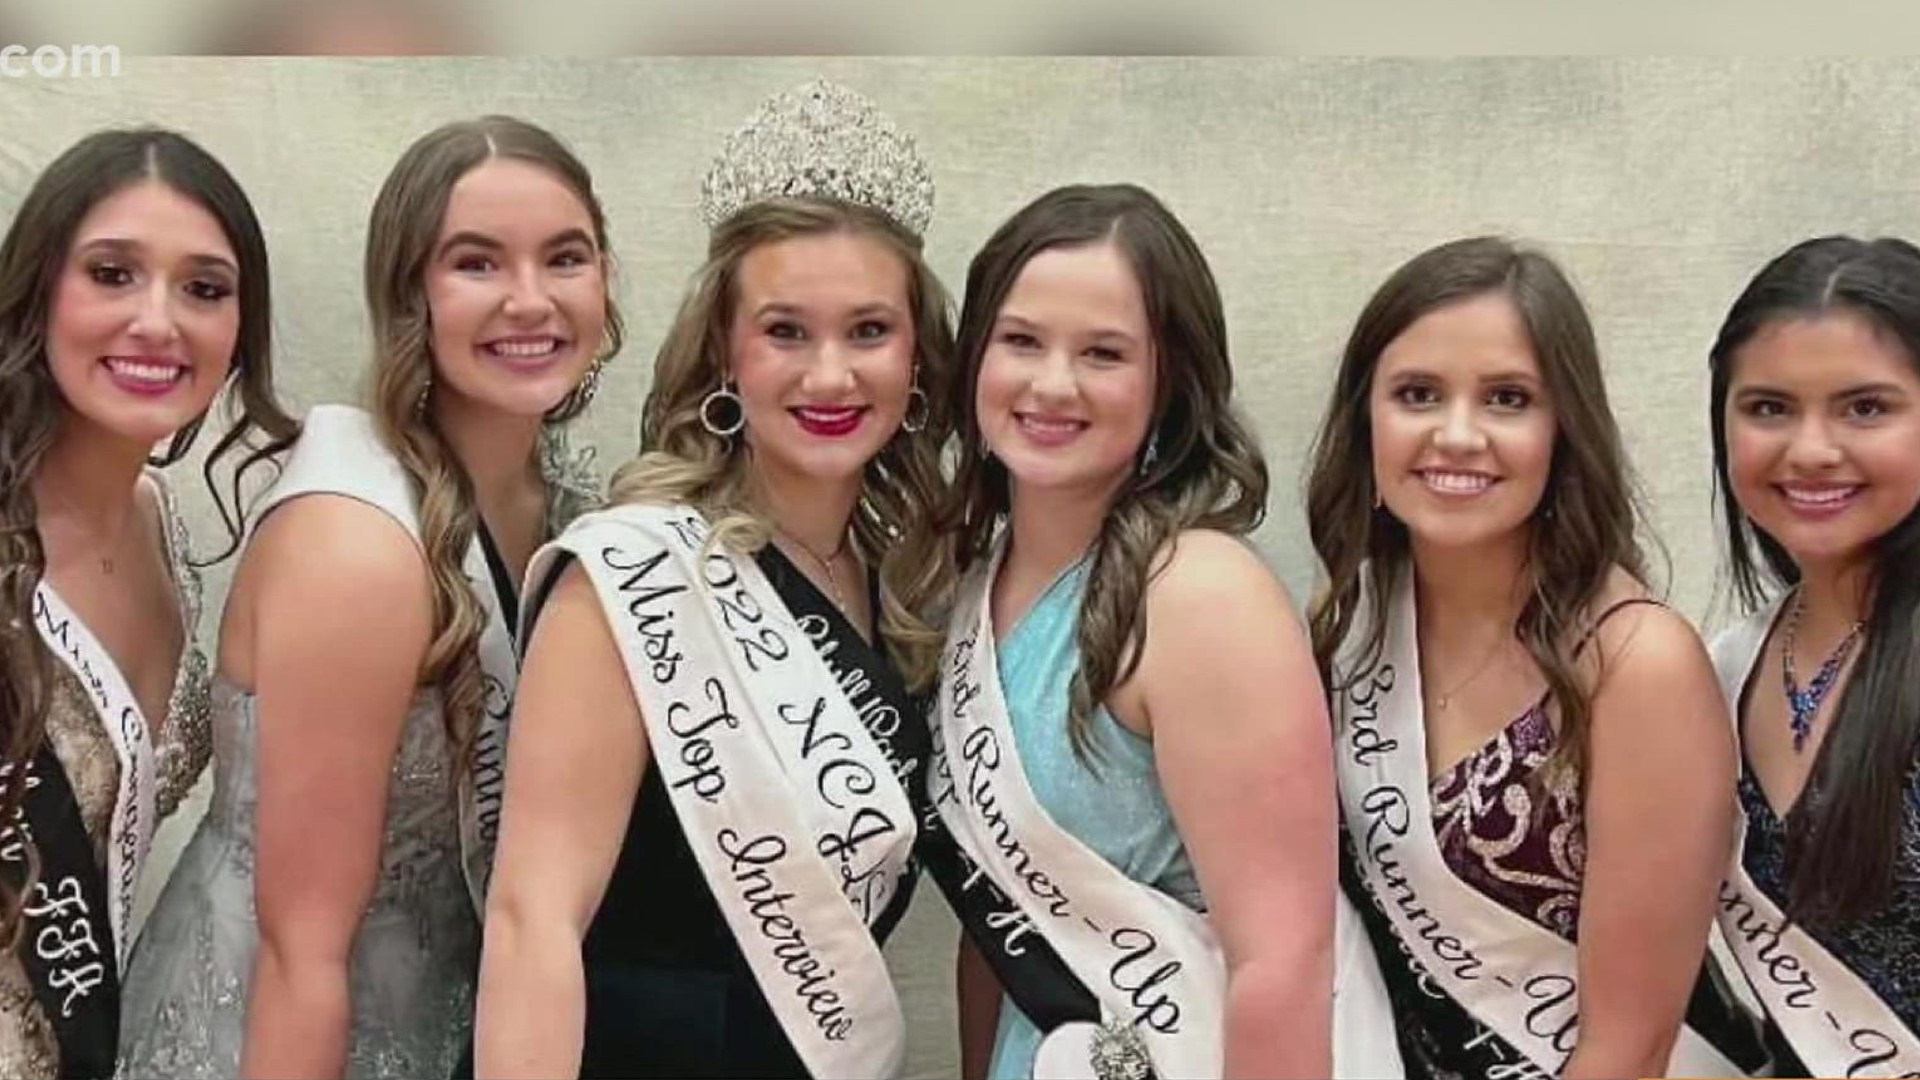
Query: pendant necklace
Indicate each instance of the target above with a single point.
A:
(1446, 699)
(826, 563)
(1803, 703)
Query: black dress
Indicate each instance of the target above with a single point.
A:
(668, 991)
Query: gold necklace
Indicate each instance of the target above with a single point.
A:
(1445, 699)
(826, 563)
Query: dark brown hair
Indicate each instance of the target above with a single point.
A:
(37, 245)
(1844, 835)
(1584, 526)
(1207, 473)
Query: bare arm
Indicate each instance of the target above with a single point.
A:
(575, 759)
(1242, 745)
(979, 997)
(1661, 764)
(334, 685)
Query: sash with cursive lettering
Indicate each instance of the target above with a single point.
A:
(1152, 964)
(1027, 968)
(789, 803)
(1515, 977)
(66, 948)
(487, 766)
(77, 929)
(1835, 1022)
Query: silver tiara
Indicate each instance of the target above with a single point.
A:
(821, 140)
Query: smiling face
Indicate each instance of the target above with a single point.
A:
(1823, 435)
(1463, 429)
(1066, 388)
(516, 290)
(821, 352)
(144, 315)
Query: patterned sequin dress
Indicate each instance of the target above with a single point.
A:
(27, 1045)
(1519, 838)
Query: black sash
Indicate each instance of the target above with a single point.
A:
(894, 718)
(1031, 973)
(1440, 1038)
(1043, 987)
(66, 944)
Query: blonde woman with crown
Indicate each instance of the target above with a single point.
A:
(707, 830)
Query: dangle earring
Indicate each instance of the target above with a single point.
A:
(1152, 456)
(590, 382)
(910, 422)
(725, 396)
(426, 388)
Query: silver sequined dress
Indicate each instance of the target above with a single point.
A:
(416, 957)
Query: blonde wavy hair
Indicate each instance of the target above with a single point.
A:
(681, 463)
(405, 224)
(1205, 470)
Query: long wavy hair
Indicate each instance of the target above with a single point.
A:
(404, 226)
(1844, 835)
(1208, 472)
(1584, 526)
(682, 463)
(37, 246)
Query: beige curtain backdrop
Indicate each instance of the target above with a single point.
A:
(1662, 185)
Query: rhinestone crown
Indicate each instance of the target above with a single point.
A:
(821, 139)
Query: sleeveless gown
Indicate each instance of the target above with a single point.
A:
(1116, 808)
(416, 957)
(668, 991)
(1520, 840)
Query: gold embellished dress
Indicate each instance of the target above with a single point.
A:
(85, 750)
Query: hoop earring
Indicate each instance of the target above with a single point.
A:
(724, 394)
(910, 422)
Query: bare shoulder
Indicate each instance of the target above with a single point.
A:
(1635, 634)
(341, 580)
(1656, 678)
(570, 617)
(340, 542)
(1207, 572)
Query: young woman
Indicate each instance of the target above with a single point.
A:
(133, 288)
(707, 830)
(323, 919)
(1525, 737)
(1816, 450)
(1130, 753)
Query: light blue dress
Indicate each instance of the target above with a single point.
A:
(1118, 810)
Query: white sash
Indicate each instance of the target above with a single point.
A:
(1153, 963)
(1513, 975)
(791, 809)
(1835, 1022)
(131, 830)
(487, 767)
